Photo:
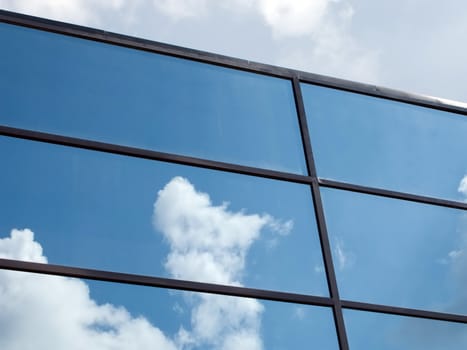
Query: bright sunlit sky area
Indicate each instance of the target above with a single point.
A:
(416, 46)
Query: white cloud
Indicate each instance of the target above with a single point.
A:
(225, 322)
(331, 49)
(210, 243)
(21, 246)
(207, 243)
(283, 17)
(51, 312)
(463, 187)
(73, 10)
(76, 11)
(181, 9)
(293, 18)
(312, 35)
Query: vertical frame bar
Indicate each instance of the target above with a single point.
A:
(320, 219)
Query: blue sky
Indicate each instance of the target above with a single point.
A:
(90, 209)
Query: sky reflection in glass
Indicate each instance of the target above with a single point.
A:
(50, 312)
(369, 331)
(382, 143)
(400, 253)
(87, 89)
(125, 214)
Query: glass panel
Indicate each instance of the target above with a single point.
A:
(402, 253)
(87, 89)
(126, 214)
(381, 143)
(368, 331)
(49, 312)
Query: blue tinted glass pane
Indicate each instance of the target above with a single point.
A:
(388, 251)
(368, 331)
(126, 214)
(381, 143)
(55, 313)
(87, 89)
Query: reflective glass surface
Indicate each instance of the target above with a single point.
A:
(55, 313)
(87, 89)
(388, 251)
(368, 331)
(381, 143)
(104, 211)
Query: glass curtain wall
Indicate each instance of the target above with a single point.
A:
(153, 197)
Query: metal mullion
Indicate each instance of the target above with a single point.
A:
(320, 219)
(159, 282)
(149, 154)
(401, 311)
(392, 194)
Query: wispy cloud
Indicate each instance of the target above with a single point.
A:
(299, 312)
(321, 26)
(293, 18)
(451, 256)
(344, 258)
(463, 187)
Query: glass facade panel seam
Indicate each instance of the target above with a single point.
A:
(91, 208)
(320, 218)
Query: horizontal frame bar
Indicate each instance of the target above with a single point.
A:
(225, 61)
(392, 194)
(159, 282)
(149, 154)
(215, 165)
(401, 311)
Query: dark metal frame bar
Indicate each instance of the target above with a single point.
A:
(148, 154)
(150, 281)
(168, 283)
(221, 166)
(296, 77)
(320, 219)
(401, 311)
(392, 194)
